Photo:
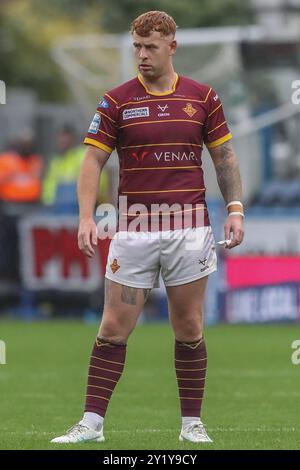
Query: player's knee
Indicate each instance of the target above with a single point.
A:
(190, 330)
(112, 330)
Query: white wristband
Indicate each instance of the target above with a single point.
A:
(236, 213)
(232, 203)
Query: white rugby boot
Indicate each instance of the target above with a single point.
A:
(79, 433)
(194, 432)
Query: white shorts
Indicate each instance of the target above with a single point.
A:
(136, 259)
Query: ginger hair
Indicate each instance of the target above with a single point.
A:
(151, 21)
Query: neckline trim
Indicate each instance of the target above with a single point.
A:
(156, 93)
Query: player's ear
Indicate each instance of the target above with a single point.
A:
(173, 47)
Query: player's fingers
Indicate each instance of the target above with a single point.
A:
(237, 237)
(241, 235)
(94, 236)
(83, 245)
(227, 228)
(80, 241)
(87, 247)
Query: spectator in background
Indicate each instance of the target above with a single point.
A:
(59, 187)
(20, 191)
(20, 171)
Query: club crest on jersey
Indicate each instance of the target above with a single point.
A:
(95, 124)
(135, 113)
(189, 109)
(103, 103)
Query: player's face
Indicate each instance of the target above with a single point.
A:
(153, 53)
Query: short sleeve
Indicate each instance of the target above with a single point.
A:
(102, 132)
(216, 130)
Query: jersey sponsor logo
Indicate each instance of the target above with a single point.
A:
(103, 103)
(163, 109)
(139, 158)
(95, 124)
(189, 109)
(135, 113)
(175, 156)
(114, 266)
(167, 156)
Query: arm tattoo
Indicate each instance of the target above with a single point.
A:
(228, 174)
(128, 295)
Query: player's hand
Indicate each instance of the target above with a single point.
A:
(87, 236)
(234, 224)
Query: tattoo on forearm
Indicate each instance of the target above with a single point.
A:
(226, 150)
(146, 294)
(128, 295)
(228, 174)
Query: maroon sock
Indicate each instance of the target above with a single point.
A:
(106, 367)
(190, 365)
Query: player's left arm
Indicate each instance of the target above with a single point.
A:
(229, 181)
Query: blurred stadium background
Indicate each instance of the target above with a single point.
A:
(56, 60)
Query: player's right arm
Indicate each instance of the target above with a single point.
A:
(100, 140)
(88, 186)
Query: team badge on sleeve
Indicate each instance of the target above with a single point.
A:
(95, 124)
(103, 103)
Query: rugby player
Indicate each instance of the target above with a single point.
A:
(158, 122)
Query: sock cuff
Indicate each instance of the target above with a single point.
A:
(102, 342)
(190, 345)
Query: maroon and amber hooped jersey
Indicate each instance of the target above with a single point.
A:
(159, 139)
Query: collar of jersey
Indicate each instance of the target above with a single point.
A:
(156, 93)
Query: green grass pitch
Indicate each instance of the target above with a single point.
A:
(251, 401)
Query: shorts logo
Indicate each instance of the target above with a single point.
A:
(203, 262)
(95, 124)
(114, 266)
(103, 103)
(189, 110)
(135, 113)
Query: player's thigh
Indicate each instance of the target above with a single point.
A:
(186, 302)
(122, 307)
